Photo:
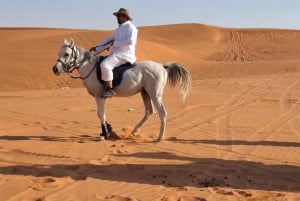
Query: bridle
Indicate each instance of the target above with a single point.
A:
(74, 64)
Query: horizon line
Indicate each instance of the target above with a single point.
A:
(145, 26)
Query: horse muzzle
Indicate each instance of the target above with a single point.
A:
(55, 70)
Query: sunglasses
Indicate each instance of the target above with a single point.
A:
(121, 15)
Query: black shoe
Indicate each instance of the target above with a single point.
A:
(109, 93)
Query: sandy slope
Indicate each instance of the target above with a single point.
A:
(236, 138)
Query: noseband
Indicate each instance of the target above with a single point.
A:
(72, 65)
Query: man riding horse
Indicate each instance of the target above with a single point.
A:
(146, 77)
(123, 42)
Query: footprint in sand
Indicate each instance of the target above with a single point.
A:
(119, 152)
(44, 183)
(222, 191)
(106, 158)
(127, 133)
(176, 198)
(100, 161)
(118, 149)
(115, 198)
(138, 136)
(244, 193)
(58, 127)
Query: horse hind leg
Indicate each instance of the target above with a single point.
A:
(148, 111)
(157, 100)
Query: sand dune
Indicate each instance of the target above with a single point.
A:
(209, 52)
(236, 138)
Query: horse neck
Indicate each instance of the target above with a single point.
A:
(87, 61)
(80, 54)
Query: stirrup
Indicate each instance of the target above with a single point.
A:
(109, 93)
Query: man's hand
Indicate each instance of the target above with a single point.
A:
(111, 42)
(93, 49)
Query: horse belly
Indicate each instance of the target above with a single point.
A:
(129, 86)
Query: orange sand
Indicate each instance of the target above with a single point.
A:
(237, 137)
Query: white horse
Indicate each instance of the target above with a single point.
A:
(148, 78)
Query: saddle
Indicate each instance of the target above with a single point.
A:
(118, 72)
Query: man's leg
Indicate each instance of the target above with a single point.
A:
(108, 84)
(107, 66)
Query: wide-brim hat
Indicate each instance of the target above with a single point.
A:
(123, 11)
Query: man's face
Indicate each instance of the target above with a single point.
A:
(122, 18)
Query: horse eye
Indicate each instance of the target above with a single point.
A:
(66, 55)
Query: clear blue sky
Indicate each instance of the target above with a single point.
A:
(97, 14)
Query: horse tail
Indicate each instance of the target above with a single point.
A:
(177, 74)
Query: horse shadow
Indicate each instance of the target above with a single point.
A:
(83, 138)
(191, 171)
(236, 142)
(187, 171)
(79, 138)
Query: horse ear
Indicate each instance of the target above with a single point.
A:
(65, 42)
(71, 42)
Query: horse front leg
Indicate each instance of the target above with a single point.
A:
(105, 126)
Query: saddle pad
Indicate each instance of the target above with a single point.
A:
(118, 72)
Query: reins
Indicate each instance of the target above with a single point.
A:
(77, 66)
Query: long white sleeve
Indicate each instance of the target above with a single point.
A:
(105, 43)
(125, 38)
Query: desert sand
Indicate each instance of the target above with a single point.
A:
(237, 136)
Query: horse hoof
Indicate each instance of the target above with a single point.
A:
(159, 139)
(102, 138)
(135, 133)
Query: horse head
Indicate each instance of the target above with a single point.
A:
(67, 57)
